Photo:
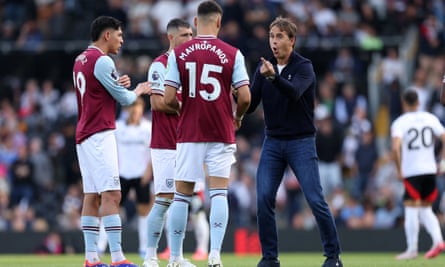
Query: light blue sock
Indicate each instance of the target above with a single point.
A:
(176, 223)
(113, 228)
(219, 216)
(90, 230)
(155, 220)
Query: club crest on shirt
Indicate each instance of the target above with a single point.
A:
(169, 183)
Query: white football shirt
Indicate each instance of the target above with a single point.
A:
(417, 131)
(133, 147)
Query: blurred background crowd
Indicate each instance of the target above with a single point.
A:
(365, 52)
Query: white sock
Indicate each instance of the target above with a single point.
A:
(431, 223)
(412, 228)
(215, 254)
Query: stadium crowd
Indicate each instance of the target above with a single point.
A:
(39, 175)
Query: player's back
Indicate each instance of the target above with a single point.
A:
(96, 107)
(418, 131)
(206, 66)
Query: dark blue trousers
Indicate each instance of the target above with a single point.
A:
(301, 156)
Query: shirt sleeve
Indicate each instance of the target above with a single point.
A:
(301, 81)
(438, 127)
(172, 76)
(156, 77)
(396, 130)
(105, 72)
(239, 76)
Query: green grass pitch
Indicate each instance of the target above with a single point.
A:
(230, 260)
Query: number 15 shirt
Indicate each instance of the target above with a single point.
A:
(207, 68)
(417, 131)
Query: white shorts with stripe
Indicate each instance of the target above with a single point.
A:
(163, 162)
(218, 157)
(98, 163)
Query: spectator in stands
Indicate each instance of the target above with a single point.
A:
(257, 12)
(352, 213)
(421, 86)
(5, 211)
(243, 197)
(345, 66)
(366, 162)
(161, 18)
(231, 33)
(329, 141)
(294, 204)
(69, 218)
(48, 101)
(388, 215)
(348, 19)
(325, 18)
(297, 10)
(58, 22)
(43, 170)
(326, 96)
(434, 106)
(431, 41)
(8, 31)
(141, 24)
(391, 68)
(70, 166)
(234, 10)
(347, 102)
(390, 72)
(30, 97)
(30, 38)
(116, 9)
(369, 15)
(22, 182)
(67, 106)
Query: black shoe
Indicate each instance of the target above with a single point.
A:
(332, 262)
(269, 263)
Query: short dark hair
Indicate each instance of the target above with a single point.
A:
(209, 7)
(410, 97)
(102, 23)
(286, 25)
(178, 23)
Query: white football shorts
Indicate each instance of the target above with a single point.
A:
(163, 162)
(98, 163)
(218, 157)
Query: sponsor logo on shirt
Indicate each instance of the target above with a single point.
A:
(155, 75)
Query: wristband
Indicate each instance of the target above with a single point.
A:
(238, 118)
